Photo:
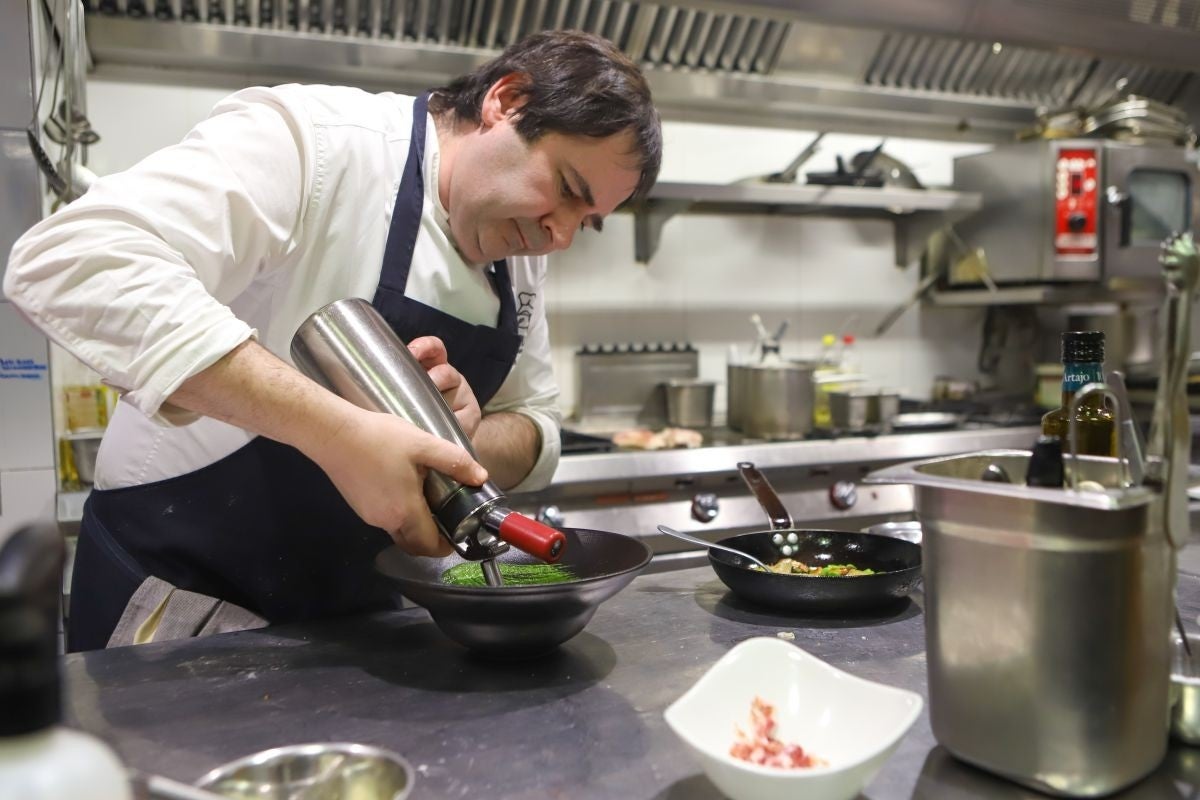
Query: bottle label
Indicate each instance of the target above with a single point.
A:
(1079, 374)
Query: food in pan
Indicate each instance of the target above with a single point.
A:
(789, 566)
(761, 747)
(469, 573)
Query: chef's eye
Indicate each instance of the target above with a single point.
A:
(566, 188)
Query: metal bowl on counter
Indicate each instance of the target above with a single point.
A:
(314, 772)
(516, 622)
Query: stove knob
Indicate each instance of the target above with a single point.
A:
(1076, 222)
(550, 515)
(705, 507)
(843, 495)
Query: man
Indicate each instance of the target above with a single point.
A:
(224, 471)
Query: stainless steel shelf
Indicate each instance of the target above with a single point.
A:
(915, 213)
(1146, 292)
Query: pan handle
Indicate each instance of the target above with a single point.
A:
(781, 520)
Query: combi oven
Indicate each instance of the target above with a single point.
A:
(1063, 210)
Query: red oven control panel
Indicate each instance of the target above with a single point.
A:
(1076, 202)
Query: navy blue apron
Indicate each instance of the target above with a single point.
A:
(264, 528)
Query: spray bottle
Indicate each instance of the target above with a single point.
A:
(40, 759)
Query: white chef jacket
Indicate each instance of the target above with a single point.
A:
(276, 205)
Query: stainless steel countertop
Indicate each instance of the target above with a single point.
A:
(583, 723)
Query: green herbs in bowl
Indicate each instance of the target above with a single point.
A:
(469, 573)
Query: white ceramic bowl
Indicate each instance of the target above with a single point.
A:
(851, 723)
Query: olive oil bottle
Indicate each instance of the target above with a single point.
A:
(1083, 363)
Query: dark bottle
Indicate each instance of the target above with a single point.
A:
(1045, 463)
(1083, 363)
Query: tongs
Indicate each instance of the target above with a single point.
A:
(1171, 436)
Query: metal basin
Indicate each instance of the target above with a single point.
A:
(514, 622)
(1047, 621)
(314, 772)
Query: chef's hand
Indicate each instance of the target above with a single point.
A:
(431, 352)
(378, 462)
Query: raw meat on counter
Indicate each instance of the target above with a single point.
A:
(666, 439)
(760, 746)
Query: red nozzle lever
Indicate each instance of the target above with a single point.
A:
(529, 535)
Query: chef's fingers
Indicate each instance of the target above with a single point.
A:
(446, 378)
(429, 350)
(421, 537)
(450, 460)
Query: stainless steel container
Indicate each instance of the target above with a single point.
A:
(690, 402)
(317, 771)
(862, 409)
(735, 393)
(85, 445)
(1047, 618)
(775, 401)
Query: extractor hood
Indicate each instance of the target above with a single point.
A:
(972, 70)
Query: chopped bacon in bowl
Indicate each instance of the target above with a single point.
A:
(761, 747)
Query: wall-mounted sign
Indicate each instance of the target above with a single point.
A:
(22, 369)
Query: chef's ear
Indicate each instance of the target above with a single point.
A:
(505, 98)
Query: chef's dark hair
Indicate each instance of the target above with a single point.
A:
(578, 84)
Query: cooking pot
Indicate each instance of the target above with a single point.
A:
(897, 563)
(771, 400)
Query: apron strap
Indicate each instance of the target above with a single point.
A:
(406, 212)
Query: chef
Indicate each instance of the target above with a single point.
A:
(231, 490)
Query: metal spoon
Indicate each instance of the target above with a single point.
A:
(156, 787)
(697, 540)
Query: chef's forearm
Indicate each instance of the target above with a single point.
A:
(507, 444)
(254, 390)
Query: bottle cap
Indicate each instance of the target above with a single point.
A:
(30, 580)
(1083, 346)
(1045, 463)
(828, 340)
(848, 338)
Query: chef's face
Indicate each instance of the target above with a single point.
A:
(506, 196)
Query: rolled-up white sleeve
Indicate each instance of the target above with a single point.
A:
(530, 388)
(135, 277)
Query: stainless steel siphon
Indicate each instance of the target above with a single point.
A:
(349, 348)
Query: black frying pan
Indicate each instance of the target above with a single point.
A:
(897, 563)
(512, 622)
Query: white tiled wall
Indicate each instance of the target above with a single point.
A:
(709, 273)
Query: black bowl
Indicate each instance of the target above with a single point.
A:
(897, 566)
(519, 621)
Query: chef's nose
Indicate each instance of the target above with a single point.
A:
(560, 227)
